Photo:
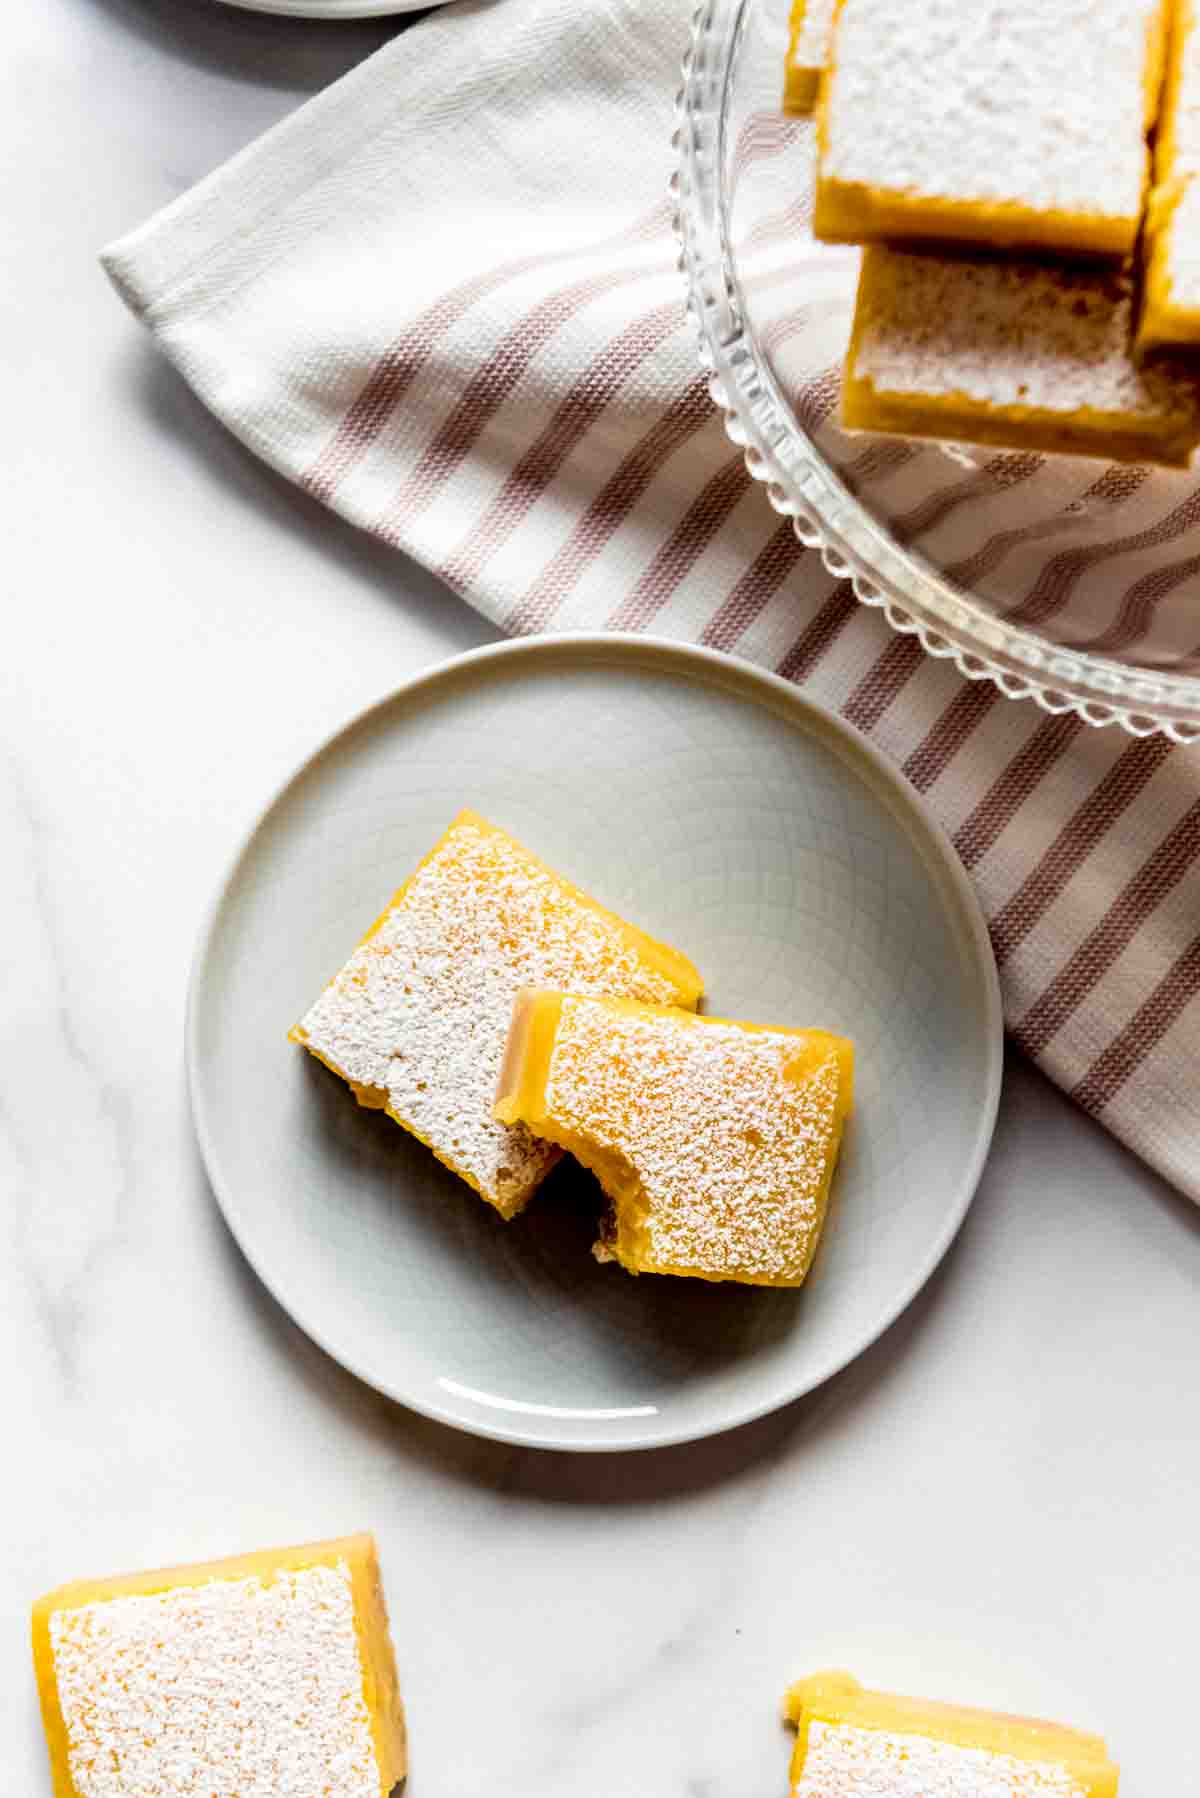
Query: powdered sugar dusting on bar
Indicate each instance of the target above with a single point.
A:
(1010, 334)
(421, 1010)
(1185, 111)
(844, 1761)
(1183, 229)
(732, 1155)
(218, 1691)
(1038, 103)
(1183, 249)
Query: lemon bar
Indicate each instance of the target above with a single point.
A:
(809, 31)
(270, 1672)
(417, 1019)
(1171, 297)
(1013, 354)
(851, 1743)
(1016, 125)
(715, 1141)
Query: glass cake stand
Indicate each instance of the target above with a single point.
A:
(1062, 580)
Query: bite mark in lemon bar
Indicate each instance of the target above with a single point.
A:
(1015, 354)
(715, 1141)
(852, 1743)
(417, 1019)
(271, 1672)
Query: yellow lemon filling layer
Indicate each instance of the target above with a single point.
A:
(1171, 295)
(810, 29)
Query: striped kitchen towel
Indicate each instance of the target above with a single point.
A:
(443, 297)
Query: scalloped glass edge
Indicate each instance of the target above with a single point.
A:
(802, 486)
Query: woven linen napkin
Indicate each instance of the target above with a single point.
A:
(443, 297)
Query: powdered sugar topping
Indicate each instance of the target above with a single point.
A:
(844, 1761)
(1183, 173)
(1036, 103)
(1185, 112)
(1183, 249)
(421, 1010)
(233, 1689)
(731, 1153)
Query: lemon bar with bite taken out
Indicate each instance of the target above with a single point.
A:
(715, 1141)
(851, 1743)
(271, 1672)
(417, 1019)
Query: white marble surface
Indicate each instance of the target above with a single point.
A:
(1000, 1503)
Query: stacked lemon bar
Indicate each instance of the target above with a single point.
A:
(505, 1017)
(1021, 178)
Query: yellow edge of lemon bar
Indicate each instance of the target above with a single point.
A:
(1016, 355)
(1171, 293)
(356, 1555)
(847, 1737)
(809, 30)
(504, 902)
(871, 210)
(850, 212)
(714, 1140)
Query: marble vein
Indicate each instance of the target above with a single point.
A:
(71, 1161)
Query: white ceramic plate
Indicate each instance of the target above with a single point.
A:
(717, 808)
(335, 9)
